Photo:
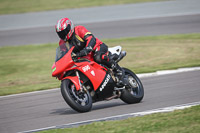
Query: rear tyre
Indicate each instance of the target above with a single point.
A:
(135, 92)
(79, 101)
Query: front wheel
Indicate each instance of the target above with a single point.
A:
(134, 93)
(79, 101)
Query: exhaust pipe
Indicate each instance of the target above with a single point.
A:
(121, 56)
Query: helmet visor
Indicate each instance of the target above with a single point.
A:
(63, 34)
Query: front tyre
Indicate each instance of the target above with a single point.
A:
(134, 93)
(79, 101)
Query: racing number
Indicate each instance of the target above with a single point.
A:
(86, 68)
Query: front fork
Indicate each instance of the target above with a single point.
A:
(82, 87)
(77, 74)
(76, 81)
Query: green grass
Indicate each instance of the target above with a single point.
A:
(179, 121)
(149, 54)
(28, 68)
(23, 6)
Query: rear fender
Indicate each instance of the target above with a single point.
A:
(74, 80)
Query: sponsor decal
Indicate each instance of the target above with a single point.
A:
(86, 68)
(54, 69)
(105, 82)
(92, 72)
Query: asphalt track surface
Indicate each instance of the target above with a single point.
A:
(111, 29)
(143, 19)
(45, 109)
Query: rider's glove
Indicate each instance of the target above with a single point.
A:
(84, 52)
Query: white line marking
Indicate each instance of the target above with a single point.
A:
(165, 72)
(29, 93)
(158, 73)
(118, 117)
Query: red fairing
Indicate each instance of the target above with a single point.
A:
(63, 64)
(94, 72)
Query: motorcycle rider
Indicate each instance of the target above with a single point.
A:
(85, 42)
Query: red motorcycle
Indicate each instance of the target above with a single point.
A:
(84, 82)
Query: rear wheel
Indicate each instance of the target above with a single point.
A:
(135, 92)
(79, 101)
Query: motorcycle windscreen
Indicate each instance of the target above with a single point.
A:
(61, 50)
(63, 60)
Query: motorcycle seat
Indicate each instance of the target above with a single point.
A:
(115, 50)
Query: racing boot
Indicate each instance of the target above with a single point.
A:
(118, 71)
